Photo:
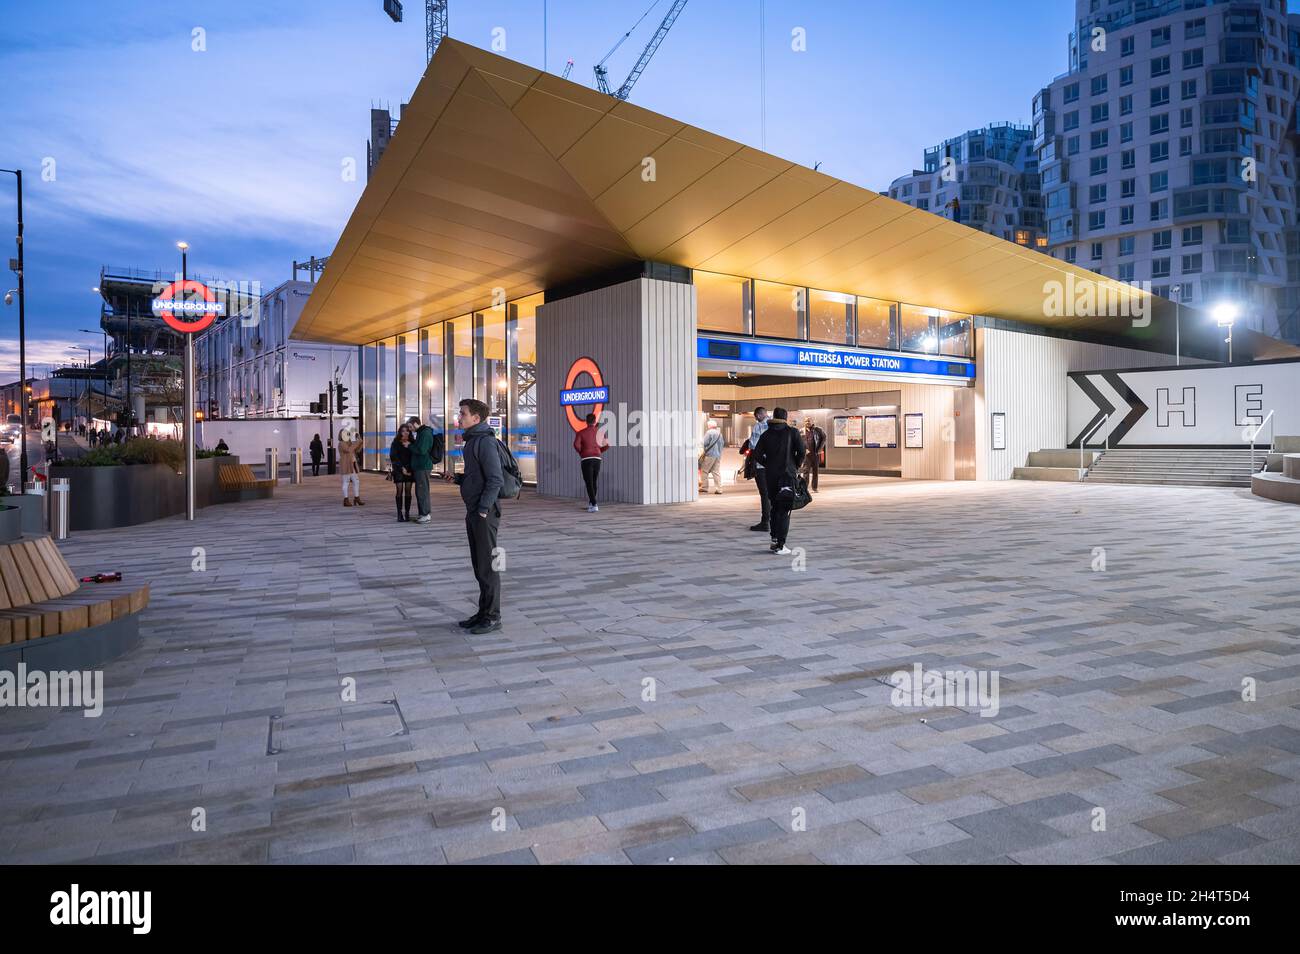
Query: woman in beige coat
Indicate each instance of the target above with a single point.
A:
(349, 445)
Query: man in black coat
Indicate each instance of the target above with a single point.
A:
(780, 451)
(480, 483)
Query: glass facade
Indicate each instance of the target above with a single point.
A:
(741, 306)
(779, 310)
(830, 317)
(521, 333)
(722, 303)
(491, 355)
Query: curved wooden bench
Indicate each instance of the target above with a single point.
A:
(240, 477)
(40, 595)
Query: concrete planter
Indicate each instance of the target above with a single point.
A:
(11, 522)
(32, 507)
(129, 494)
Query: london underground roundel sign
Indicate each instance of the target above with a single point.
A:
(597, 393)
(187, 307)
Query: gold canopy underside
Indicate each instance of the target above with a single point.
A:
(500, 176)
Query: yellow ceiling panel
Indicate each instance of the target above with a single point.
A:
(610, 150)
(677, 165)
(556, 122)
(776, 197)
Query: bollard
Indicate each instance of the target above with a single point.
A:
(295, 465)
(273, 463)
(37, 489)
(60, 509)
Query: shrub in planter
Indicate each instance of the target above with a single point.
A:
(141, 450)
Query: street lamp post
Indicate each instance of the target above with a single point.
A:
(1178, 323)
(104, 332)
(22, 328)
(188, 402)
(1225, 314)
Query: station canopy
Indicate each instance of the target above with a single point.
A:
(501, 176)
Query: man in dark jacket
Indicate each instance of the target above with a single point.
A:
(424, 454)
(479, 486)
(779, 452)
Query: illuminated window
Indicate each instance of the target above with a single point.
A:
(830, 317)
(778, 310)
(720, 302)
(876, 320)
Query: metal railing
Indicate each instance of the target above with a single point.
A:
(1083, 443)
(1272, 440)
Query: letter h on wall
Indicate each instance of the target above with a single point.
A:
(1186, 410)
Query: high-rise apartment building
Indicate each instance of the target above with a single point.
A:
(985, 178)
(1168, 152)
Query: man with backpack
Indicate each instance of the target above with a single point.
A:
(814, 441)
(490, 473)
(426, 451)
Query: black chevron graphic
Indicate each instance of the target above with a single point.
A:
(1104, 407)
(1136, 406)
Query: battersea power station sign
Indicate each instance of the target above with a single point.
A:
(724, 350)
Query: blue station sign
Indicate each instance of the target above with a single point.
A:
(814, 357)
(584, 396)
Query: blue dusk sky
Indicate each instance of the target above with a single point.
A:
(131, 139)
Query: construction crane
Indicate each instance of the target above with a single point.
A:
(568, 68)
(602, 75)
(435, 21)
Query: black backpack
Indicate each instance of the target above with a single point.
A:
(512, 478)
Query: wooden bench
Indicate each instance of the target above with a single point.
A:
(40, 596)
(240, 477)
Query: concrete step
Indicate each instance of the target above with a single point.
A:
(1060, 458)
(1047, 473)
(1173, 482)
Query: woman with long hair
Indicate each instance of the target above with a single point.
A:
(399, 455)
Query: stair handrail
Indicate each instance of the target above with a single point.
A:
(1272, 440)
(1083, 442)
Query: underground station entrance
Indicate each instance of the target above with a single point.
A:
(862, 427)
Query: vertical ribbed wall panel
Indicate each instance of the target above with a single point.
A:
(671, 393)
(642, 336)
(603, 325)
(1024, 376)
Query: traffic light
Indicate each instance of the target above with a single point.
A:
(340, 398)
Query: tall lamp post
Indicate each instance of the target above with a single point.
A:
(104, 332)
(22, 328)
(188, 402)
(1177, 291)
(1225, 314)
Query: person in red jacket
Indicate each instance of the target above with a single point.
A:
(589, 446)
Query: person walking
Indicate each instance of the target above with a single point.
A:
(480, 483)
(349, 445)
(399, 458)
(590, 446)
(779, 452)
(426, 451)
(755, 435)
(814, 441)
(317, 450)
(711, 458)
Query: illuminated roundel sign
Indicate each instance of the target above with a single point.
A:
(597, 393)
(188, 307)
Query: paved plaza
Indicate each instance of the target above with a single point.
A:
(1122, 623)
